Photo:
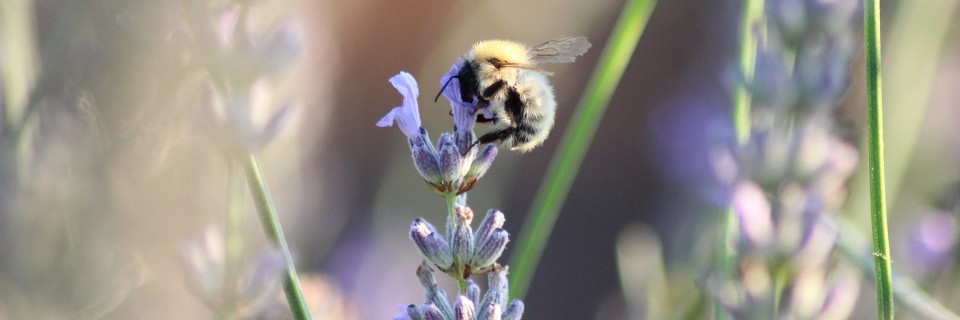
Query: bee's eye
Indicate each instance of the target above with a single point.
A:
(496, 62)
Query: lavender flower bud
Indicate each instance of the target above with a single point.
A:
(431, 244)
(514, 311)
(491, 222)
(431, 312)
(498, 286)
(482, 163)
(464, 141)
(449, 159)
(473, 291)
(490, 312)
(464, 309)
(496, 292)
(414, 312)
(425, 274)
(462, 241)
(438, 297)
(491, 249)
(426, 158)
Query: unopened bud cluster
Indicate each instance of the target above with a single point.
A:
(452, 167)
(470, 306)
(463, 252)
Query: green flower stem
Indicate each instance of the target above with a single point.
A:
(749, 20)
(233, 235)
(906, 291)
(878, 209)
(575, 141)
(232, 238)
(916, 38)
(271, 227)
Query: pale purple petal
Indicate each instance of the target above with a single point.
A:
(407, 116)
(464, 114)
(451, 91)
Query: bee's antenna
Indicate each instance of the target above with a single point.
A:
(444, 87)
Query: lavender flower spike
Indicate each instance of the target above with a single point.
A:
(407, 115)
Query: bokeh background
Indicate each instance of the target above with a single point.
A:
(116, 177)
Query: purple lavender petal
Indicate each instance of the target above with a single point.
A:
(407, 116)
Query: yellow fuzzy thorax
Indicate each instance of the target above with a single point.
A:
(503, 50)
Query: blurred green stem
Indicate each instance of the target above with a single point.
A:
(575, 141)
(878, 204)
(914, 51)
(749, 20)
(271, 226)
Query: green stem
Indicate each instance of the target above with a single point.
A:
(878, 209)
(916, 38)
(573, 145)
(271, 227)
(749, 19)
(451, 200)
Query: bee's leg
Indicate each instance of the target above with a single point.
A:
(483, 103)
(494, 136)
(483, 119)
(493, 89)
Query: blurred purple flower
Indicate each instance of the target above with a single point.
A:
(933, 241)
(753, 209)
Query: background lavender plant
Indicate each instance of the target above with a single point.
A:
(791, 170)
(114, 173)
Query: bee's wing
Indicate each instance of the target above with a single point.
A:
(559, 50)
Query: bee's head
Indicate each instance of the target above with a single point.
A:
(467, 82)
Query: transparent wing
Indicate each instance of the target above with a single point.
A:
(560, 50)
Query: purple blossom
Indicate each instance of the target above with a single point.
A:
(464, 113)
(407, 115)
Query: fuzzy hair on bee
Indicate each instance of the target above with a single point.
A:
(505, 77)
